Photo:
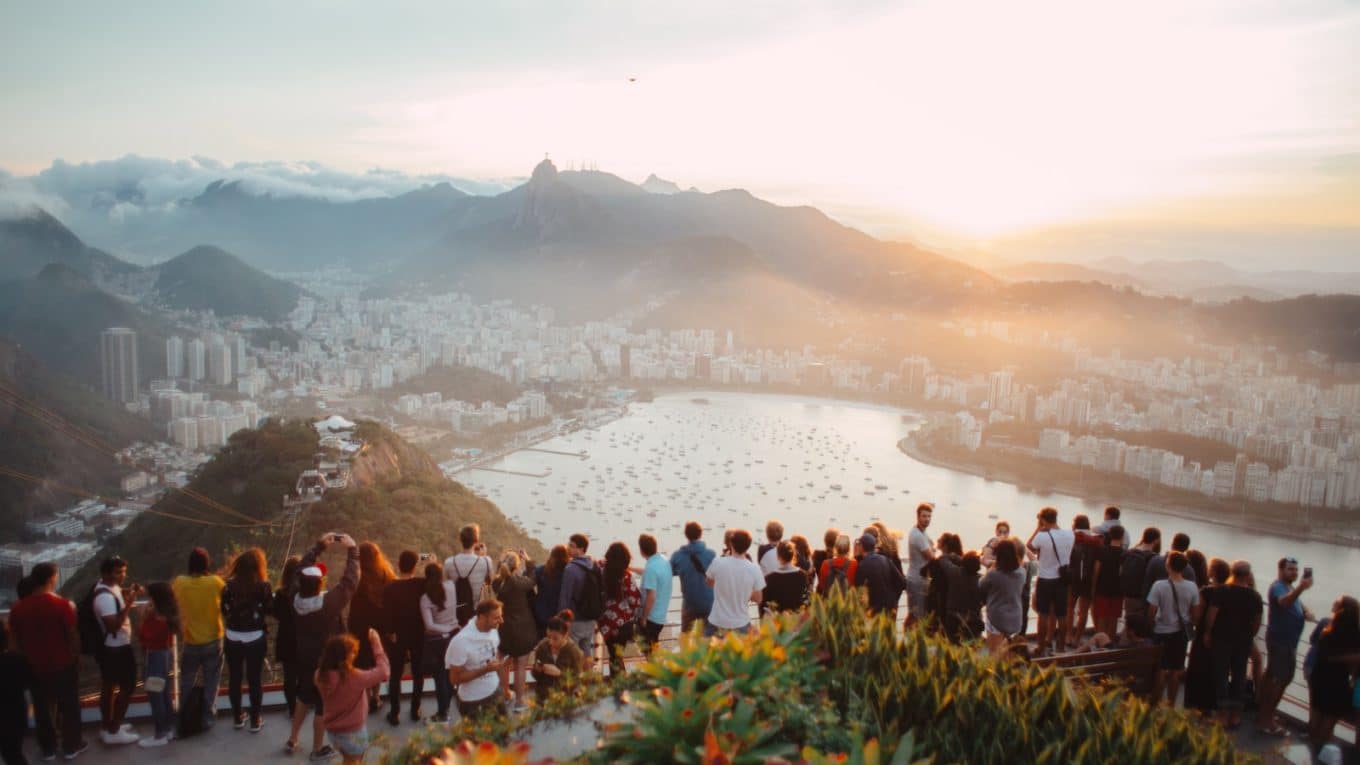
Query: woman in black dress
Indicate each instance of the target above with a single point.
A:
(1199, 675)
(1338, 659)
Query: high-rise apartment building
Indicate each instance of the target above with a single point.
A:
(219, 366)
(197, 359)
(174, 357)
(118, 360)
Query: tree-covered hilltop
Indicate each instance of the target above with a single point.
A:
(211, 278)
(35, 446)
(459, 382)
(397, 497)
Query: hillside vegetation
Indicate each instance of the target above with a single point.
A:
(211, 278)
(459, 382)
(31, 446)
(397, 497)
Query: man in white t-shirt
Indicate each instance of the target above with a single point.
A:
(475, 665)
(1173, 606)
(769, 558)
(117, 663)
(736, 582)
(1052, 544)
(472, 563)
(920, 552)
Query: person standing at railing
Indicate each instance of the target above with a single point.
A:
(245, 602)
(1173, 609)
(736, 582)
(689, 563)
(402, 611)
(200, 603)
(582, 592)
(319, 614)
(1284, 629)
(17, 680)
(622, 604)
(44, 628)
(657, 582)
(1331, 697)
(117, 663)
(285, 637)
(156, 633)
(519, 634)
(366, 611)
(1230, 630)
(920, 552)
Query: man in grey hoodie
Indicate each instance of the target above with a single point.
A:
(576, 579)
(318, 614)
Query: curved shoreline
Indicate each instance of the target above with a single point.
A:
(908, 447)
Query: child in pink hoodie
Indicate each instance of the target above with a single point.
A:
(344, 692)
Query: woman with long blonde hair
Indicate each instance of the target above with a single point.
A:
(519, 633)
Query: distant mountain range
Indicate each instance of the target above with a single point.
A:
(1203, 280)
(203, 278)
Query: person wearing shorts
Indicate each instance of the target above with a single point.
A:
(1173, 606)
(1053, 546)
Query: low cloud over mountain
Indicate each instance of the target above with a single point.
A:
(118, 203)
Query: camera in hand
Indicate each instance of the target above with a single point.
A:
(1308, 572)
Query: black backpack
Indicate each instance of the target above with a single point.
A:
(462, 590)
(1132, 567)
(590, 600)
(1080, 564)
(836, 576)
(87, 623)
(191, 713)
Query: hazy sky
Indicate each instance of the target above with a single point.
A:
(975, 119)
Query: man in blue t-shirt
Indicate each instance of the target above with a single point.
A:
(1285, 628)
(656, 590)
(689, 563)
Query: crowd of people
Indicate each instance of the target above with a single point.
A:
(478, 626)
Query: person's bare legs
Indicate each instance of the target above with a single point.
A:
(318, 733)
(1267, 699)
(300, 710)
(521, 670)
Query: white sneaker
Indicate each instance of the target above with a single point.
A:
(127, 727)
(149, 742)
(121, 737)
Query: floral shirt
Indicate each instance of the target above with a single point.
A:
(618, 613)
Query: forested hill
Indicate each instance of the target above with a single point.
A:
(397, 497)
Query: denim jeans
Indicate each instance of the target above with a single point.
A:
(408, 649)
(208, 658)
(158, 664)
(250, 658)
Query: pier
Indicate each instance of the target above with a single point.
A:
(544, 474)
(581, 454)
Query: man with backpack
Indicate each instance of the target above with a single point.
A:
(470, 571)
(1156, 567)
(689, 563)
(582, 592)
(1132, 570)
(877, 575)
(44, 629)
(765, 554)
(117, 663)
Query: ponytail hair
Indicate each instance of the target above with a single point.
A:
(434, 584)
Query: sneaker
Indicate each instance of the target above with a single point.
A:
(256, 723)
(121, 737)
(72, 755)
(322, 754)
(519, 708)
(415, 715)
(147, 743)
(127, 727)
(49, 756)
(240, 721)
(394, 719)
(440, 719)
